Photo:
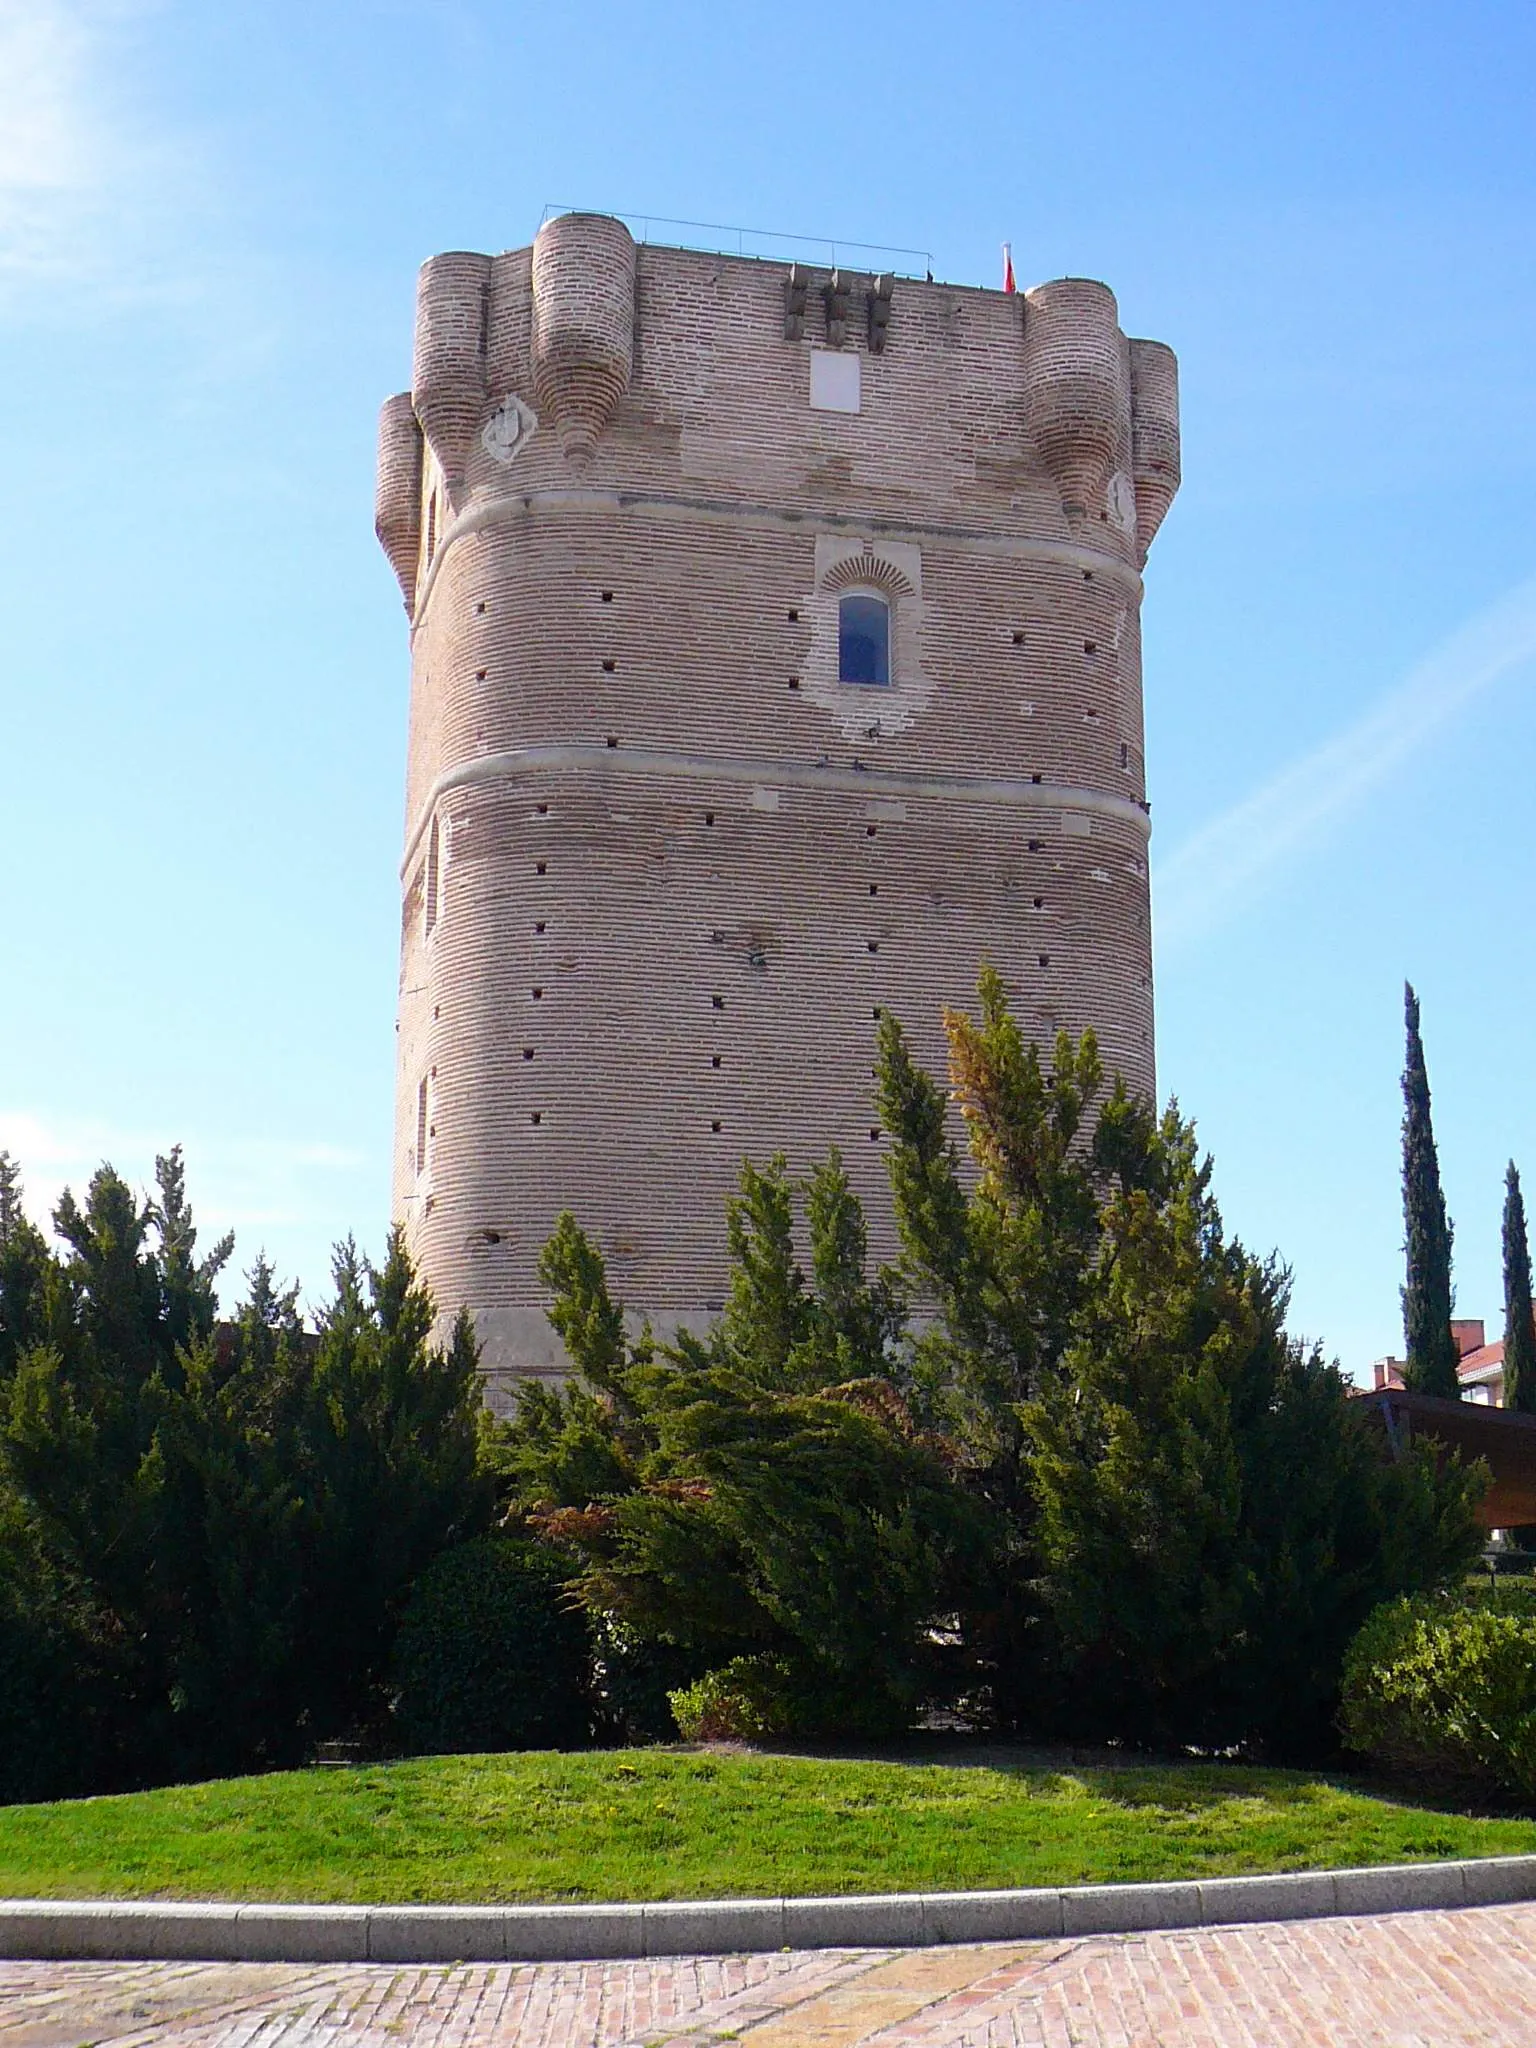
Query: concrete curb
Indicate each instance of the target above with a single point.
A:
(110, 1930)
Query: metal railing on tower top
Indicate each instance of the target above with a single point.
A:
(768, 244)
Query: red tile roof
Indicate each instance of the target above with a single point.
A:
(1490, 1354)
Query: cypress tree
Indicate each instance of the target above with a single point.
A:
(1519, 1332)
(1427, 1297)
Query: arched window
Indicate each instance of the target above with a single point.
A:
(863, 639)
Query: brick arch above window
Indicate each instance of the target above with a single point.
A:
(869, 571)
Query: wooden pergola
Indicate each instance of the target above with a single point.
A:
(1503, 1439)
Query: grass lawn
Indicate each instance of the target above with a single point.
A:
(658, 1824)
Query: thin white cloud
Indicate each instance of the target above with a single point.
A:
(1228, 862)
(90, 197)
(45, 145)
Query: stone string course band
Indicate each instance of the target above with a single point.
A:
(664, 869)
(531, 761)
(500, 509)
(106, 1930)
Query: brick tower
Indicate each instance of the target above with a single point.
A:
(775, 655)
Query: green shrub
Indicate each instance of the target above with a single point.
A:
(491, 1653)
(1444, 1688)
(747, 1700)
(633, 1679)
(767, 1698)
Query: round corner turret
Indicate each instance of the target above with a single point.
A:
(1077, 387)
(583, 325)
(448, 366)
(1154, 435)
(397, 490)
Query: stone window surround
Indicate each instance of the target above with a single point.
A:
(884, 568)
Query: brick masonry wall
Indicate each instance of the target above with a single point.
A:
(662, 869)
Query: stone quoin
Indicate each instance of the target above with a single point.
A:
(775, 656)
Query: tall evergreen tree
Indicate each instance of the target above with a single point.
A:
(207, 1536)
(1427, 1297)
(10, 1196)
(1188, 1519)
(25, 1269)
(762, 1492)
(1519, 1332)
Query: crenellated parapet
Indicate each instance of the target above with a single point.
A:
(1154, 435)
(583, 325)
(448, 364)
(556, 327)
(397, 491)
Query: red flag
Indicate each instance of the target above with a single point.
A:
(1008, 283)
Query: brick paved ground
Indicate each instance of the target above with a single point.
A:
(1414, 1980)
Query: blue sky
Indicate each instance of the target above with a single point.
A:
(210, 222)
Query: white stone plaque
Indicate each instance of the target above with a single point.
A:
(834, 380)
(1122, 502)
(509, 426)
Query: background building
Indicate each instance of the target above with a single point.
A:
(775, 655)
(1479, 1368)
